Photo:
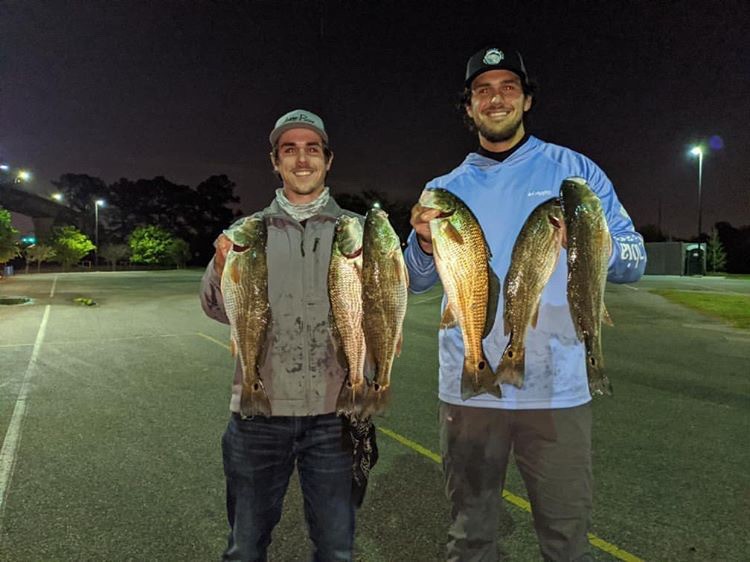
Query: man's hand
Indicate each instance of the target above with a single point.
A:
(222, 245)
(420, 221)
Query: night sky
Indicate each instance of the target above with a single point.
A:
(190, 89)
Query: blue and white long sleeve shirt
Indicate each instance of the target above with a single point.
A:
(502, 195)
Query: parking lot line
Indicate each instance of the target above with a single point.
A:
(598, 542)
(519, 502)
(13, 434)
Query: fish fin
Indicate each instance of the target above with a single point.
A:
(254, 400)
(492, 301)
(371, 364)
(233, 347)
(511, 367)
(399, 343)
(478, 379)
(401, 272)
(377, 400)
(606, 318)
(535, 315)
(352, 398)
(451, 232)
(449, 319)
(234, 273)
(580, 334)
(599, 383)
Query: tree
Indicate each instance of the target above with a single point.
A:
(38, 253)
(194, 215)
(716, 256)
(150, 245)
(70, 245)
(112, 253)
(8, 237)
(399, 212)
(736, 243)
(80, 192)
(178, 252)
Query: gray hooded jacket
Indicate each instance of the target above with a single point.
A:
(302, 369)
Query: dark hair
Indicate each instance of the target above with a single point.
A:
(530, 89)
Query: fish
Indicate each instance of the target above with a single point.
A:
(462, 259)
(534, 258)
(244, 288)
(385, 282)
(589, 247)
(345, 295)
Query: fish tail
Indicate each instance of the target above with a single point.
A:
(511, 368)
(377, 400)
(599, 383)
(254, 400)
(351, 397)
(478, 378)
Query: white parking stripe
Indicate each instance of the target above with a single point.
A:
(54, 284)
(13, 434)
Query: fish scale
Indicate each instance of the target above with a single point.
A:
(462, 261)
(534, 258)
(385, 281)
(589, 248)
(345, 295)
(244, 288)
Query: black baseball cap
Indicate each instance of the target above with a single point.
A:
(495, 58)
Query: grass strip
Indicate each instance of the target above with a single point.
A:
(734, 309)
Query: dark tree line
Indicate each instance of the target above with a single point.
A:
(399, 212)
(194, 215)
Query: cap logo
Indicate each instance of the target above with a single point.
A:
(493, 56)
(301, 118)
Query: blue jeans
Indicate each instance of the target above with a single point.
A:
(259, 456)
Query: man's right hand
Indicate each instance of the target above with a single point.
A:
(222, 245)
(420, 222)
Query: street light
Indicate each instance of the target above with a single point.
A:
(98, 203)
(57, 197)
(23, 175)
(698, 151)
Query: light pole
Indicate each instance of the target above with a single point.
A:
(98, 203)
(698, 151)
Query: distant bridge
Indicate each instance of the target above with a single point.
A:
(44, 213)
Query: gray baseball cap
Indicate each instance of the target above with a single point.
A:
(298, 119)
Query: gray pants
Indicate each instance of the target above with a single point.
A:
(552, 449)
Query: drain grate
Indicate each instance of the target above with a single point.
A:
(14, 300)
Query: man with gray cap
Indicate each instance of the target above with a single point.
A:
(546, 422)
(300, 369)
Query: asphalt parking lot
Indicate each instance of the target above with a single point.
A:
(111, 417)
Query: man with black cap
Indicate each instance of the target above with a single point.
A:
(301, 371)
(546, 422)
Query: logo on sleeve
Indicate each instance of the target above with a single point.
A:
(540, 193)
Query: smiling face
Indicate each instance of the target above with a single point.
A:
(497, 106)
(301, 162)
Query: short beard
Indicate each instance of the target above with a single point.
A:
(497, 136)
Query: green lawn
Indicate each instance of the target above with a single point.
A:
(734, 309)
